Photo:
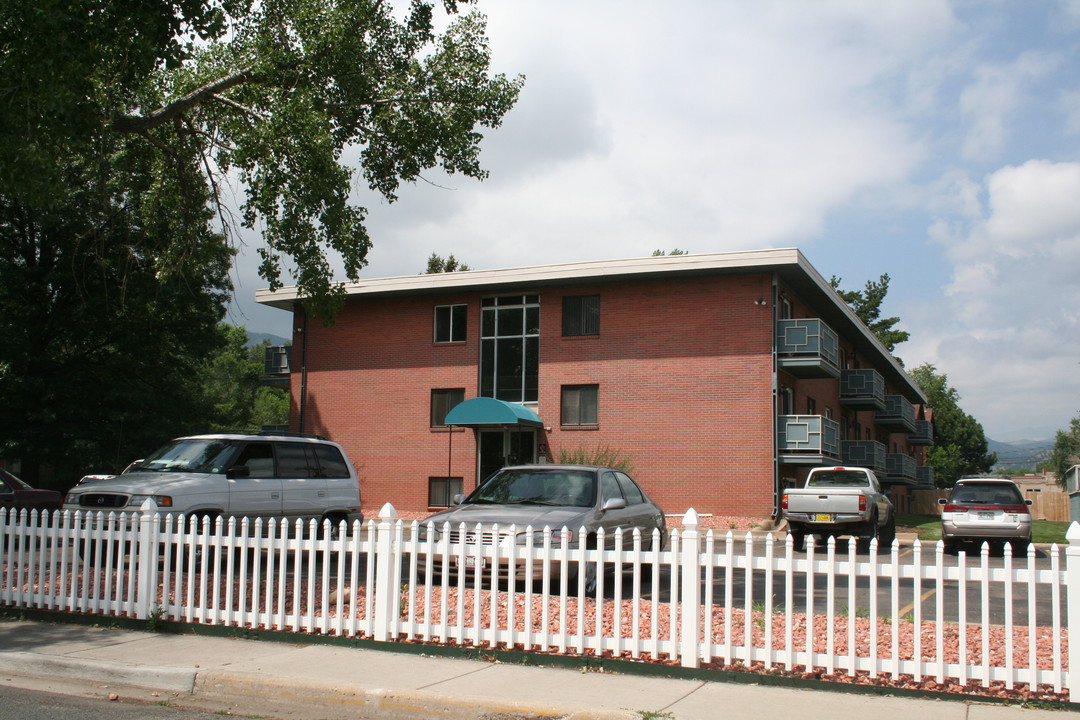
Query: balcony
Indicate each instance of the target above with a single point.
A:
(924, 433)
(899, 469)
(807, 348)
(862, 389)
(924, 476)
(808, 440)
(276, 366)
(898, 415)
(865, 453)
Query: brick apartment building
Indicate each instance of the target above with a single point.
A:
(721, 378)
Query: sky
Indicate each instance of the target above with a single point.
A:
(935, 141)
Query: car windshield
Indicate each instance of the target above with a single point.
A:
(560, 488)
(986, 494)
(190, 455)
(838, 478)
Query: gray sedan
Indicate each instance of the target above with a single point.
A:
(570, 502)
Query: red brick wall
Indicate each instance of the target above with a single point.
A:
(684, 370)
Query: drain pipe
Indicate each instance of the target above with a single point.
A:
(775, 403)
(303, 369)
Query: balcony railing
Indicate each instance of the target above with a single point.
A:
(924, 433)
(862, 389)
(807, 347)
(276, 360)
(898, 415)
(864, 453)
(924, 476)
(808, 439)
(900, 468)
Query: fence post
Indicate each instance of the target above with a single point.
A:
(386, 587)
(146, 567)
(690, 597)
(1072, 593)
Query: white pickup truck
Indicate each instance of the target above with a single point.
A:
(840, 501)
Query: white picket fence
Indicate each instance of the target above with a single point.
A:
(909, 613)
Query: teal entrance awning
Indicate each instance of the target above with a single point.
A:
(489, 412)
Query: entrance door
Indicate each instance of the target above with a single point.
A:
(499, 448)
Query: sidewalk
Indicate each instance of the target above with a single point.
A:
(320, 682)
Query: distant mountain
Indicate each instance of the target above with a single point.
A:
(1022, 454)
(255, 338)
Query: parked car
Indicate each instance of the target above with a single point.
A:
(14, 493)
(563, 498)
(840, 501)
(986, 509)
(233, 475)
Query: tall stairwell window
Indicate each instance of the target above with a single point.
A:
(510, 347)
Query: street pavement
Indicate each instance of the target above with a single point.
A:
(323, 682)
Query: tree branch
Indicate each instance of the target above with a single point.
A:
(143, 123)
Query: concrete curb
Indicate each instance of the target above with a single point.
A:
(35, 665)
(384, 704)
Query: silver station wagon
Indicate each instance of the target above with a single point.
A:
(568, 502)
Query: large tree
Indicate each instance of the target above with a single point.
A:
(100, 342)
(292, 98)
(1066, 452)
(960, 446)
(867, 305)
(124, 127)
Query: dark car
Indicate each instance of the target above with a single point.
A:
(569, 500)
(14, 493)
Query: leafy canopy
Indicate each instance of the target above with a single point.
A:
(438, 264)
(299, 100)
(960, 446)
(867, 305)
(1066, 451)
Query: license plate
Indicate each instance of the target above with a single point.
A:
(823, 517)
(471, 561)
(986, 516)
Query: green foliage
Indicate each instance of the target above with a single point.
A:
(600, 455)
(104, 322)
(437, 264)
(301, 100)
(1066, 452)
(960, 446)
(230, 384)
(676, 251)
(867, 305)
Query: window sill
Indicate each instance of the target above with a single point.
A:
(446, 429)
(575, 428)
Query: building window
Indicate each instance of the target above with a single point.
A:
(441, 491)
(442, 402)
(450, 323)
(579, 404)
(510, 347)
(787, 401)
(811, 406)
(580, 315)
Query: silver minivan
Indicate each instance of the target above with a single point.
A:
(233, 475)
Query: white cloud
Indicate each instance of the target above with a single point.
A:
(1008, 333)
(993, 97)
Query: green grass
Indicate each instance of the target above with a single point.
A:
(929, 528)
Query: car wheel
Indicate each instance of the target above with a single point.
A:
(798, 538)
(1020, 546)
(868, 534)
(335, 520)
(887, 535)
